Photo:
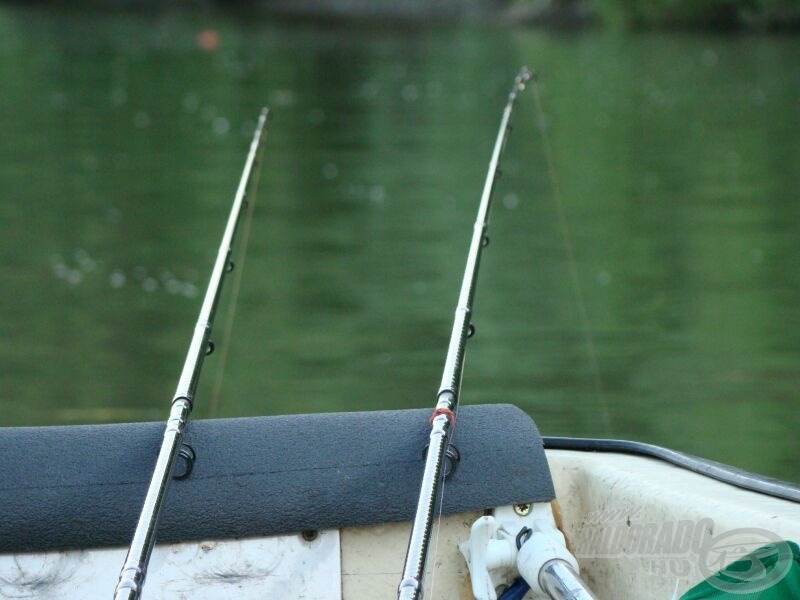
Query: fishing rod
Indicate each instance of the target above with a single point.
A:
(131, 578)
(444, 415)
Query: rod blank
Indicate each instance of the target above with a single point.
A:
(132, 576)
(410, 587)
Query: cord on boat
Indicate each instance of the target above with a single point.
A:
(702, 466)
(569, 250)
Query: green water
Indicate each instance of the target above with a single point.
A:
(121, 143)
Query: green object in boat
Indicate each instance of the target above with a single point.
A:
(770, 573)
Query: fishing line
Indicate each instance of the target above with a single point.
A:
(232, 306)
(440, 512)
(436, 538)
(568, 248)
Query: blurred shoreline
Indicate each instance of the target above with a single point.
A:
(726, 16)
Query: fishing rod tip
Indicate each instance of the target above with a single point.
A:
(524, 76)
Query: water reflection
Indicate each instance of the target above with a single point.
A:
(123, 141)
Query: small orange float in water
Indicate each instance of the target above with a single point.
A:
(208, 39)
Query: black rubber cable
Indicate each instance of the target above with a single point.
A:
(721, 472)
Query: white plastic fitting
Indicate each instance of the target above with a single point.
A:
(546, 543)
(492, 555)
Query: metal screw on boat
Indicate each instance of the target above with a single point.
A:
(310, 535)
(523, 510)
